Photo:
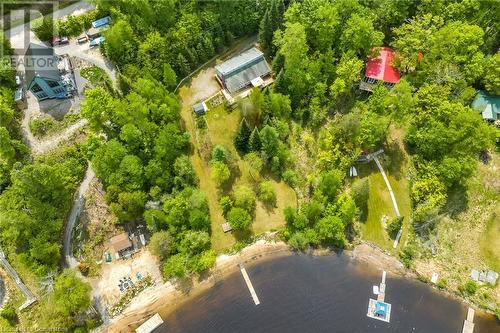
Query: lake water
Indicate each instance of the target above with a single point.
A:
(302, 293)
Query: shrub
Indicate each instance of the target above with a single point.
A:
(298, 241)
(360, 193)
(407, 254)
(203, 261)
(442, 283)
(267, 194)
(290, 177)
(394, 226)
(220, 154)
(238, 218)
(219, 172)
(161, 244)
(84, 268)
(41, 126)
(468, 289)
(9, 313)
(225, 204)
(244, 198)
(175, 266)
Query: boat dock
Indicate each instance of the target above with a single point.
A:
(150, 325)
(469, 322)
(249, 285)
(379, 309)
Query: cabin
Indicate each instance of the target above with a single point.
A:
(246, 69)
(488, 105)
(200, 108)
(121, 244)
(43, 78)
(379, 68)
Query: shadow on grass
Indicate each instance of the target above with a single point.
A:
(457, 201)
(242, 235)
(396, 159)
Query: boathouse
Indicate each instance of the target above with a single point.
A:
(379, 68)
(246, 69)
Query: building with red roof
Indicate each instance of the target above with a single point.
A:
(380, 68)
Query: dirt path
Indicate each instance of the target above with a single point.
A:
(68, 258)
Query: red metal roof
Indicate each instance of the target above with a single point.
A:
(380, 68)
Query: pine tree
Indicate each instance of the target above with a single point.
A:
(242, 136)
(280, 84)
(266, 30)
(254, 143)
(281, 12)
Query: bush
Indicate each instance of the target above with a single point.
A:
(468, 289)
(175, 266)
(407, 254)
(41, 126)
(9, 313)
(360, 192)
(203, 261)
(219, 172)
(267, 194)
(290, 177)
(84, 268)
(394, 226)
(220, 154)
(238, 218)
(201, 122)
(97, 77)
(225, 204)
(161, 244)
(442, 283)
(298, 241)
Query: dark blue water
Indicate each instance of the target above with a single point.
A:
(302, 293)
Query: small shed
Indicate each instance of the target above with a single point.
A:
(121, 243)
(226, 227)
(488, 105)
(200, 108)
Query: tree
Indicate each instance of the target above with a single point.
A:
(175, 266)
(71, 295)
(330, 229)
(360, 36)
(347, 75)
(242, 136)
(96, 107)
(203, 261)
(360, 191)
(194, 242)
(185, 176)
(270, 142)
(267, 194)
(266, 31)
(44, 28)
(220, 154)
(9, 313)
(169, 77)
(161, 244)
(244, 198)
(255, 163)
(394, 226)
(225, 204)
(219, 172)
(254, 143)
(492, 74)
(330, 184)
(372, 130)
(238, 218)
(121, 44)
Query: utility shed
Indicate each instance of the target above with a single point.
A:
(488, 105)
(200, 108)
(243, 70)
(379, 68)
(42, 74)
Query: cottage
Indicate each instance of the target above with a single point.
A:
(247, 69)
(43, 78)
(380, 69)
(121, 244)
(200, 108)
(488, 105)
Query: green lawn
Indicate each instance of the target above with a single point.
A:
(221, 128)
(395, 163)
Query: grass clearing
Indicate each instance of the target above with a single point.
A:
(395, 163)
(221, 128)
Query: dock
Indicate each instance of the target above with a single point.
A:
(150, 325)
(469, 322)
(249, 285)
(379, 309)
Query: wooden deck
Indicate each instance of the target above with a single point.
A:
(469, 322)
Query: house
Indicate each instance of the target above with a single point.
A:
(488, 105)
(246, 69)
(121, 244)
(200, 108)
(380, 69)
(43, 78)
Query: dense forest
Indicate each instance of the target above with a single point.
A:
(307, 129)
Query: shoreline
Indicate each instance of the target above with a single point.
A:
(167, 297)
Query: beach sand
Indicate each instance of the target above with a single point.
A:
(165, 298)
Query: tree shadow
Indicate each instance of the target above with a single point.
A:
(457, 200)
(395, 159)
(184, 285)
(242, 235)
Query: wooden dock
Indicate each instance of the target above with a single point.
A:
(379, 303)
(150, 325)
(249, 285)
(469, 322)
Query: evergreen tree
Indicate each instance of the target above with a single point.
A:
(254, 143)
(266, 31)
(280, 6)
(280, 84)
(242, 136)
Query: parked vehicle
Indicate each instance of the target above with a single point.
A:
(97, 41)
(82, 39)
(60, 41)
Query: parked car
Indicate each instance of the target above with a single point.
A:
(60, 41)
(82, 39)
(97, 41)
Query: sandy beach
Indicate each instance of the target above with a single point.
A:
(168, 296)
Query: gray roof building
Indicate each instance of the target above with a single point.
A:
(239, 72)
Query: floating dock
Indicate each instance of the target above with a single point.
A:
(469, 322)
(150, 325)
(249, 285)
(379, 309)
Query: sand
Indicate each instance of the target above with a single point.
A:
(167, 297)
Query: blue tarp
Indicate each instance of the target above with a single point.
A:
(101, 22)
(380, 309)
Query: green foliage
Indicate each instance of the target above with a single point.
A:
(225, 204)
(330, 184)
(360, 191)
(44, 28)
(244, 198)
(330, 229)
(161, 244)
(270, 142)
(239, 218)
(267, 194)
(9, 313)
(194, 242)
(40, 126)
(359, 35)
(242, 136)
(298, 241)
(175, 266)
(407, 254)
(254, 143)
(394, 225)
(71, 295)
(203, 261)
(468, 289)
(492, 74)
(97, 77)
(219, 172)
(121, 44)
(220, 154)
(442, 283)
